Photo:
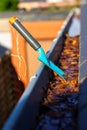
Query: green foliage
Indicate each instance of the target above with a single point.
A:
(8, 5)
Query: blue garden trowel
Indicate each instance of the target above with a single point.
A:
(36, 46)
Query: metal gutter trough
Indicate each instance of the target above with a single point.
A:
(25, 114)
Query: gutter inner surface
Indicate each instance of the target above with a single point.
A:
(59, 110)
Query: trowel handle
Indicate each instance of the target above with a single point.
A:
(27, 36)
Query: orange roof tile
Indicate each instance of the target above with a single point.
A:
(44, 29)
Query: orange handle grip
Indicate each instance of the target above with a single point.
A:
(12, 19)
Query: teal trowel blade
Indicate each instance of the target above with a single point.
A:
(42, 57)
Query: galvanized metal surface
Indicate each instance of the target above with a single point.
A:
(24, 115)
(75, 28)
(83, 45)
(82, 118)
